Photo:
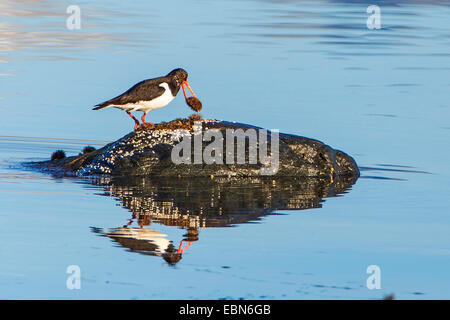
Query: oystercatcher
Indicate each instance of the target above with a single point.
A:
(149, 95)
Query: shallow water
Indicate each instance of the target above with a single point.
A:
(311, 68)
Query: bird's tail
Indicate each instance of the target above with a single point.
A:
(100, 106)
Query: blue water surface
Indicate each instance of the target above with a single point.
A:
(311, 68)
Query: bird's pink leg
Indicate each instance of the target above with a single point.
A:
(136, 121)
(145, 124)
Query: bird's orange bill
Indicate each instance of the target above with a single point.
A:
(186, 83)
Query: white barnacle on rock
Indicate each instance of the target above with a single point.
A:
(178, 134)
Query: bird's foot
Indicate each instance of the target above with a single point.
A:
(147, 126)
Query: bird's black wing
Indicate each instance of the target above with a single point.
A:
(144, 90)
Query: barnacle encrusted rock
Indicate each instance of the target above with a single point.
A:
(151, 153)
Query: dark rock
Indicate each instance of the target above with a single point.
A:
(148, 153)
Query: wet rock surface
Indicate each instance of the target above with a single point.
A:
(149, 153)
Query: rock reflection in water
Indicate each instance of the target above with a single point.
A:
(197, 203)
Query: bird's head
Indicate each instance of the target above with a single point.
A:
(179, 78)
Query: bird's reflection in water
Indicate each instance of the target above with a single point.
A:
(197, 203)
(149, 241)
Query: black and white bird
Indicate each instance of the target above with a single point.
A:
(149, 95)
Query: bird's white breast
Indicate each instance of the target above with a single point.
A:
(146, 106)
